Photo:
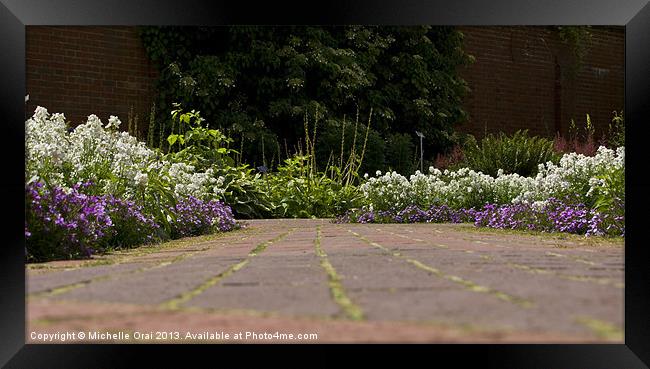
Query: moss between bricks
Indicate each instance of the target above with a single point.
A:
(602, 328)
(120, 256)
(70, 287)
(351, 310)
(528, 268)
(175, 303)
(469, 285)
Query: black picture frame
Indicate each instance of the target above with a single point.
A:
(634, 15)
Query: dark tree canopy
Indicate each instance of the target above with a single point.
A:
(257, 82)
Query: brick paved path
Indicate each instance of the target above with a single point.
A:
(347, 283)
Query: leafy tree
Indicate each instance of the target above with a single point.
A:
(256, 83)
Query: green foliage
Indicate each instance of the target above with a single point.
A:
(336, 141)
(197, 145)
(246, 192)
(204, 148)
(297, 189)
(616, 136)
(300, 192)
(578, 38)
(611, 190)
(401, 153)
(256, 83)
(519, 154)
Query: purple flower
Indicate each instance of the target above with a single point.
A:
(193, 217)
(555, 216)
(62, 224)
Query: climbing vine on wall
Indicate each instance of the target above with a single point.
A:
(578, 38)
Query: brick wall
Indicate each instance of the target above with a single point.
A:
(523, 77)
(89, 70)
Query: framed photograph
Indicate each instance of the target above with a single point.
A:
(449, 177)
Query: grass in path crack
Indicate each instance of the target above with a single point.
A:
(185, 297)
(469, 285)
(602, 329)
(351, 310)
(67, 288)
(526, 268)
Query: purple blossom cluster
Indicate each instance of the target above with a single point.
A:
(192, 216)
(61, 224)
(552, 216)
(410, 214)
(65, 224)
(131, 225)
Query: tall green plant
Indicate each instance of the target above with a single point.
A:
(301, 188)
(616, 136)
(519, 153)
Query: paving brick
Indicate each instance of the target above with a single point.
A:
(53, 280)
(478, 284)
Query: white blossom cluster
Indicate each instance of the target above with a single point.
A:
(46, 144)
(95, 150)
(115, 160)
(187, 182)
(575, 174)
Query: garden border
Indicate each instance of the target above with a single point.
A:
(17, 14)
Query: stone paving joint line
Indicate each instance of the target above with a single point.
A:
(67, 288)
(176, 303)
(528, 268)
(351, 310)
(469, 285)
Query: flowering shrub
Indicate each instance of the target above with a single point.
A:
(131, 225)
(188, 182)
(463, 188)
(93, 188)
(90, 152)
(115, 162)
(592, 190)
(580, 178)
(66, 223)
(551, 216)
(192, 217)
(410, 214)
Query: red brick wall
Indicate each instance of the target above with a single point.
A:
(89, 70)
(516, 83)
(104, 71)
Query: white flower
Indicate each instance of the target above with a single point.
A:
(141, 179)
(575, 174)
(113, 121)
(538, 205)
